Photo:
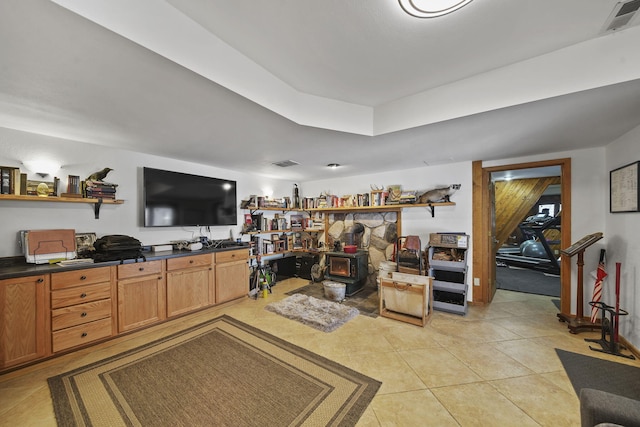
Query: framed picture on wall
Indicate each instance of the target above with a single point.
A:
(624, 191)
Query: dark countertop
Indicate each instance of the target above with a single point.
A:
(11, 267)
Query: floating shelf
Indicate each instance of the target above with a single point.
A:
(385, 208)
(52, 199)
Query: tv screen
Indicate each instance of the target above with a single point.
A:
(174, 199)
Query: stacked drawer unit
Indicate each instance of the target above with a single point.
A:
(82, 307)
(448, 266)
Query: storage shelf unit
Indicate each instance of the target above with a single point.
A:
(448, 266)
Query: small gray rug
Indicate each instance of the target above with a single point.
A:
(591, 372)
(365, 300)
(326, 316)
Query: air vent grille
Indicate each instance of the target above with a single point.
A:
(622, 15)
(286, 163)
(629, 7)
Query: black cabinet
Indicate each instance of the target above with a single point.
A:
(304, 264)
(284, 267)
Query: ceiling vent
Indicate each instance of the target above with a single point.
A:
(287, 163)
(623, 13)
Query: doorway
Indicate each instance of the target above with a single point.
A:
(528, 221)
(485, 240)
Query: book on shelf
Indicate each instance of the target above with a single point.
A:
(9, 180)
(23, 184)
(100, 189)
(296, 222)
(73, 184)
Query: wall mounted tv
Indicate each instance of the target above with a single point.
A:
(174, 199)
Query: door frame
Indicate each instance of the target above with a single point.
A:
(482, 237)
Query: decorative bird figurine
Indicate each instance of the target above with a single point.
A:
(100, 175)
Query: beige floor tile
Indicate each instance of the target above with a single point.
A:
(474, 331)
(487, 362)
(537, 357)
(542, 400)
(480, 404)
(404, 336)
(439, 368)
(526, 327)
(416, 408)
(389, 368)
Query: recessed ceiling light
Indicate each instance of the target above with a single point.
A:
(333, 165)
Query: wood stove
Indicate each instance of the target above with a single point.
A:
(350, 269)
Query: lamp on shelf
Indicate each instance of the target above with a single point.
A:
(431, 8)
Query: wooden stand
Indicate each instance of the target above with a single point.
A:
(578, 322)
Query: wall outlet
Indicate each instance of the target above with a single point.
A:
(476, 281)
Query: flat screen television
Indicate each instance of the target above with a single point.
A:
(174, 199)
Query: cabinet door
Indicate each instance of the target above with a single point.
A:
(23, 323)
(188, 290)
(141, 302)
(232, 280)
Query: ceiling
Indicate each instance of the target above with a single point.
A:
(243, 84)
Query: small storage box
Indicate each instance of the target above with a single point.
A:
(449, 240)
(407, 297)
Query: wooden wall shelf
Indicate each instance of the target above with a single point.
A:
(384, 208)
(96, 202)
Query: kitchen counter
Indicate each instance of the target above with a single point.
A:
(17, 266)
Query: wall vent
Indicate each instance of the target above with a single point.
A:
(623, 13)
(287, 163)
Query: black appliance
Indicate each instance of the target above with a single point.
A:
(349, 268)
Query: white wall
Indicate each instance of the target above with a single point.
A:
(84, 159)
(589, 201)
(623, 243)
(415, 221)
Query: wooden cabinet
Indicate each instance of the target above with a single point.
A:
(24, 334)
(141, 294)
(232, 275)
(61, 310)
(83, 304)
(190, 283)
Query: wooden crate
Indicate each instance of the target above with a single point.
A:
(406, 301)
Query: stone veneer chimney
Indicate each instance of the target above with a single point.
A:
(378, 238)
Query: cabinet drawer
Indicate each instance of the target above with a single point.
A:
(81, 313)
(81, 294)
(189, 261)
(86, 276)
(139, 269)
(81, 334)
(228, 256)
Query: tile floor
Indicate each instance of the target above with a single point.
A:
(496, 366)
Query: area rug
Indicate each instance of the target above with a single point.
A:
(223, 373)
(324, 315)
(366, 301)
(527, 281)
(591, 372)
